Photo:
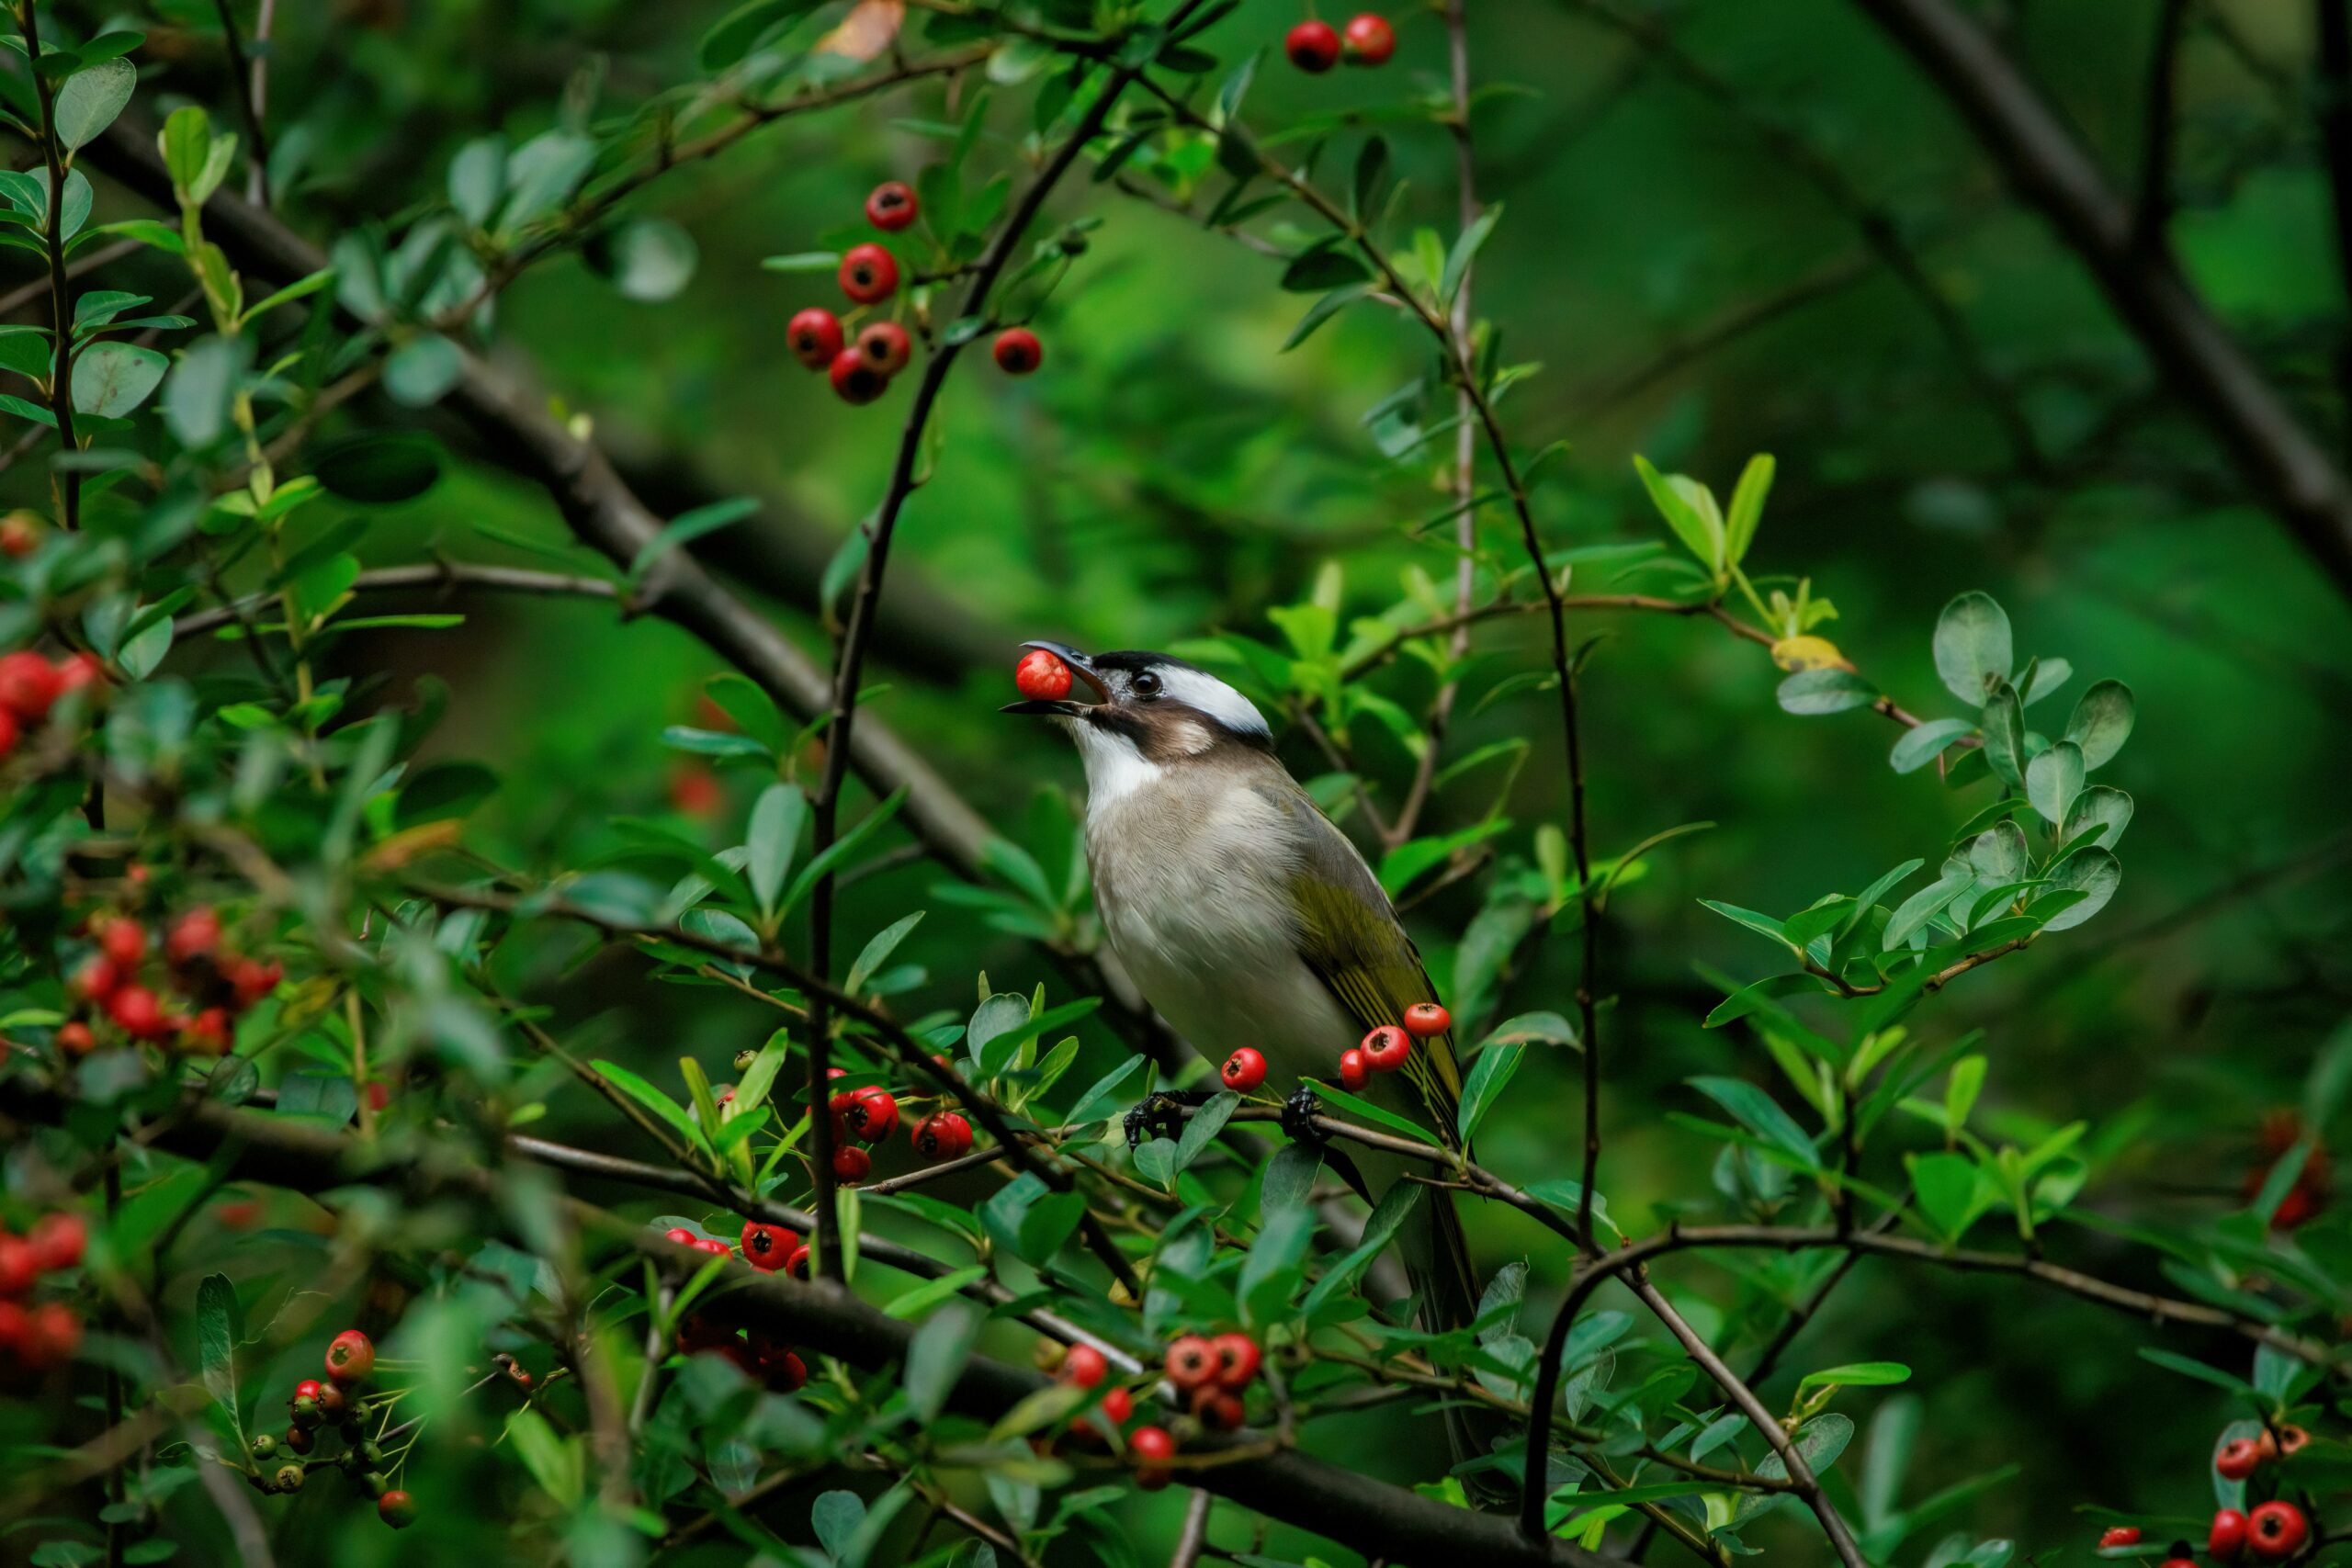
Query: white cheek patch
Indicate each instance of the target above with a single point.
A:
(1114, 768)
(1199, 689)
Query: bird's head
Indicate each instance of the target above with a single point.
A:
(1150, 711)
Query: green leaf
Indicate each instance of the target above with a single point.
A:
(219, 1326)
(936, 1355)
(687, 527)
(111, 379)
(558, 1465)
(2003, 721)
(1321, 266)
(1702, 536)
(1489, 1076)
(653, 1099)
(1748, 506)
(2095, 873)
(1204, 1125)
(1825, 690)
(2054, 779)
(778, 818)
(1763, 925)
(1395, 1207)
(840, 851)
(2101, 722)
(1368, 1111)
(742, 29)
(91, 98)
(1098, 1102)
(1466, 251)
(1761, 1115)
(1857, 1374)
(380, 469)
(2098, 817)
(1323, 309)
(421, 371)
(877, 951)
(1945, 1186)
(2200, 1372)
(1972, 647)
(1924, 744)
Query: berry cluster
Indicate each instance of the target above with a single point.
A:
(1213, 1373)
(339, 1400)
(217, 982)
(34, 1338)
(860, 368)
(1388, 1047)
(1315, 47)
(2270, 1531)
(869, 1115)
(31, 684)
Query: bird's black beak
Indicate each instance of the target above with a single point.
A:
(1081, 667)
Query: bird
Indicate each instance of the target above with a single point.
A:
(1247, 918)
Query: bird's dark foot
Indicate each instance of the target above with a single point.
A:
(1161, 1114)
(1299, 1112)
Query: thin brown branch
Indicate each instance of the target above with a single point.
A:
(448, 575)
(246, 78)
(68, 481)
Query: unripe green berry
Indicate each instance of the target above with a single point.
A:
(289, 1478)
(264, 1446)
(374, 1484)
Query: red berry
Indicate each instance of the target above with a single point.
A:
(1017, 351)
(1244, 1070)
(680, 1235)
(715, 1246)
(1386, 1048)
(1118, 1404)
(814, 335)
(2275, 1529)
(195, 934)
(941, 1135)
(95, 979)
(1353, 1072)
(2120, 1535)
(8, 732)
(797, 1264)
(1313, 47)
(55, 1334)
(2227, 1538)
(1219, 1410)
(873, 1114)
(1427, 1020)
(869, 273)
(1192, 1361)
(852, 1164)
(1042, 675)
(19, 535)
(75, 1039)
(351, 1356)
(136, 1012)
(1236, 1359)
(81, 670)
(786, 1374)
(1085, 1366)
(27, 684)
(856, 380)
(2237, 1459)
(397, 1509)
(1369, 40)
(20, 1265)
(124, 943)
(891, 207)
(59, 1241)
(1151, 1447)
(886, 347)
(307, 1404)
(330, 1400)
(298, 1439)
(252, 980)
(209, 1031)
(765, 1247)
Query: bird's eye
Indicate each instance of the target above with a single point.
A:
(1146, 684)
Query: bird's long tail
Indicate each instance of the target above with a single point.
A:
(1436, 1260)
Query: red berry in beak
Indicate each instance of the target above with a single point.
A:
(869, 273)
(1370, 41)
(1042, 675)
(1313, 47)
(1386, 1048)
(1244, 1070)
(1427, 1020)
(1018, 352)
(814, 335)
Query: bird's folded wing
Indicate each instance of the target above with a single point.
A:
(1351, 939)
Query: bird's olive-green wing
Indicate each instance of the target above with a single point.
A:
(1351, 937)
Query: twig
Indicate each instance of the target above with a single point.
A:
(249, 92)
(1195, 1536)
(2152, 211)
(435, 574)
(2335, 28)
(67, 481)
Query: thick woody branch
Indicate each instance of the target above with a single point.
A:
(2279, 459)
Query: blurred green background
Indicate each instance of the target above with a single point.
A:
(1171, 473)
